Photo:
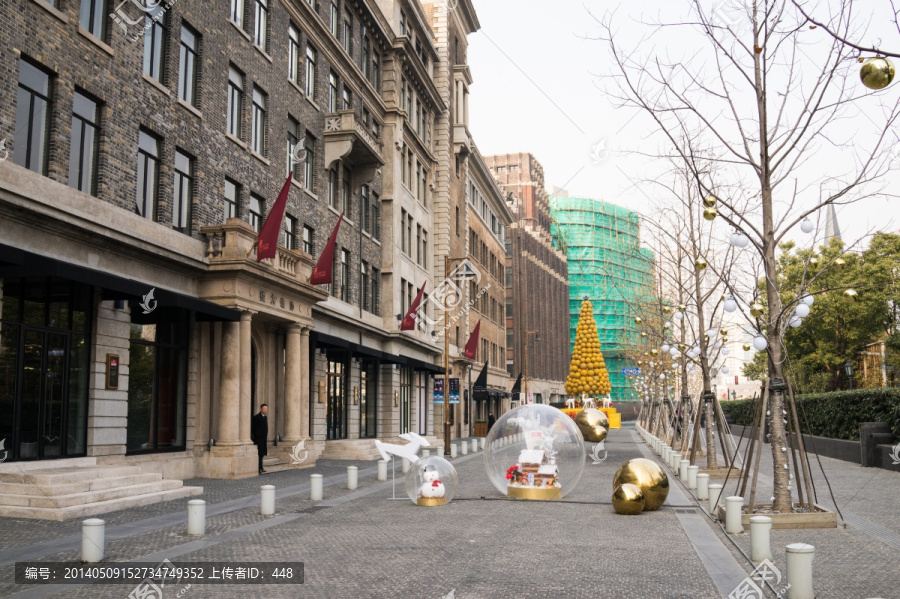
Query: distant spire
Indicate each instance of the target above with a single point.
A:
(831, 225)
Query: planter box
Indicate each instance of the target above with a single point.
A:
(481, 429)
(821, 518)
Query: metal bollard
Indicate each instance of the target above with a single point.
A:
(382, 469)
(714, 492)
(352, 477)
(799, 571)
(267, 500)
(464, 448)
(93, 533)
(683, 470)
(406, 465)
(474, 445)
(760, 547)
(733, 505)
(692, 476)
(196, 517)
(702, 486)
(453, 450)
(315, 487)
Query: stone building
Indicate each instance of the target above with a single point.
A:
(145, 151)
(537, 289)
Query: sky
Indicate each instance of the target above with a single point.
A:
(540, 86)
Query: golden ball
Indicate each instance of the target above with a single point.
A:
(628, 500)
(700, 263)
(593, 424)
(710, 201)
(647, 475)
(877, 72)
(756, 309)
(850, 294)
(710, 214)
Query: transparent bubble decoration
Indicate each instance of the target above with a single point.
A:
(431, 481)
(534, 452)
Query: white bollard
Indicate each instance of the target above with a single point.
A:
(406, 465)
(666, 452)
(714, 492)
(683, 469)
(675, 460)
(702, 486)
(799, 571)
(382, 469)
(692, 476)
(93, 533)
(315, 487)
(267, 500)
(464, 448)
(439, 451)
(425, 453)
(733, 507)
(474, 445)
(453, 450)
(483, 443)
(352, 477)
(196, 517)
(760, 547)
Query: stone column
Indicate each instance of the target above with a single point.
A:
(292, 384)
(304, 394)
(230, 386)
(245, 365)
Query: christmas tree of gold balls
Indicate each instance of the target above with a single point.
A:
(587, 372)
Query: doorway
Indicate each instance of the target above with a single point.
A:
(336, 408)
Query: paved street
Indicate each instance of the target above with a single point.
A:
(361, 544)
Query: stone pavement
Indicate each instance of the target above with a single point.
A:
(360, 544)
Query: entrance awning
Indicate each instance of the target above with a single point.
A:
(323, 340)
(16, 263)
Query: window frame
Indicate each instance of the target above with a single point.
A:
(46, 116)
(155, 41)
(187, 54)
(95, 144)
(232, 203)
(258, 120)
(148, 158)
(261, 24)
(234, 116)
(184, 182)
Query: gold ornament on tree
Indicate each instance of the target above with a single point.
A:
(710, 201)
(710, 214)
(877, 72)
(587, 372)
(700, 263)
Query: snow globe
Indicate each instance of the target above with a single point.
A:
(534, 452)
(431, 481)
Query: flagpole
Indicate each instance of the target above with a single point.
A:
(446, 365)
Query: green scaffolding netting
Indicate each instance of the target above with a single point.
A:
(607, 265)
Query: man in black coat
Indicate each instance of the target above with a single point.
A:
(491, 420)
(259, 433)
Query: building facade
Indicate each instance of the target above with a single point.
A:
(536, 281)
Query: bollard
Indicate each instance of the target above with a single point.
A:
(315, 487)
(683, 470)
(483, 443)
(439, 451)
(426, 453)
(382, 469)
(93, 531)
(453, 450)
(675, 460)
(196, 517)
(799, 571)
(692, 476)
(464, 448)
(760, 548)
(352, 477)
(267, 500)
(665, 453)
(733, 507)
(474, 445)
(714, 492)
(702, 486)
(406, 465)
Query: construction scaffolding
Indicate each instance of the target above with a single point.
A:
(608, 266)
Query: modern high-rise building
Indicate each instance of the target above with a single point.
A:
(537, 295)
(608, 266)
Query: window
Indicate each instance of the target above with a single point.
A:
(423, 185)
(231, 199)
(261, 29)
(32, 118)
(311, 72)
(258, 123)
(332, 188)
(418, 181)
(345, 276)
(308, 239)
(346, 193)
(402, 23)
(364, 285)
(235, 101)
(509, 307)
(348, 33)
(424, 249)
(290, 232)
(403, 231)
(409, 170)
(147, 175)
(375, 76)
(183, 192)
(409, 224)
(457, 221)
(419, 245)
(93, 17)
(346, 99)
(293, 131)
(366, 54)
(294, 59)
(376, 292)
(85, 144)
(365, 221)
(376, 217)
(237, 12)
(255, 213)
(187, 67)
(155, 34)
(309, 162)
(333, 19)
(332, 92)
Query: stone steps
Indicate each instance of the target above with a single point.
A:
(94, 509)
(81, 487)
(99, 496)
(277, 463)
(350, 449)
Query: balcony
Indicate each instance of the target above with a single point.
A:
(462, 140)
(346, 138)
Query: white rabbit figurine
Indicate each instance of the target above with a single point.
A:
(433, 487)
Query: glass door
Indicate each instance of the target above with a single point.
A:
(43, 395)
(336, 408)
(368, 400)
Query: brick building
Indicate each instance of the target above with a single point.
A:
(537, 289)
(146, 150)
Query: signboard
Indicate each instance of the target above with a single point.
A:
(631, 371)
(439, 390)
(112, 371)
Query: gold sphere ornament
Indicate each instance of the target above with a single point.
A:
(682, 308)
(643, 334)
(814, 261)
(840, 262)
(681, 347)
(710, 201)
(746, 347)
(850, 294)
(593, 424)
(700, 263)
(756, 309)
(647, 475)
(638, 320)
(877, 72)
(710, 214)
(654, 352)
(666, 310)
(628, 500)
(723, 332)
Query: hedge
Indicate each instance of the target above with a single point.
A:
(834, 415)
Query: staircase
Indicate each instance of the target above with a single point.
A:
(78, 488)
(350, 449)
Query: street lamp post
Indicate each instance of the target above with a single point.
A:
(537, 337)
(848, 368)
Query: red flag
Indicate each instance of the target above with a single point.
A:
(472, 343)
(409, 321)
(267, 242)
(323, 273)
